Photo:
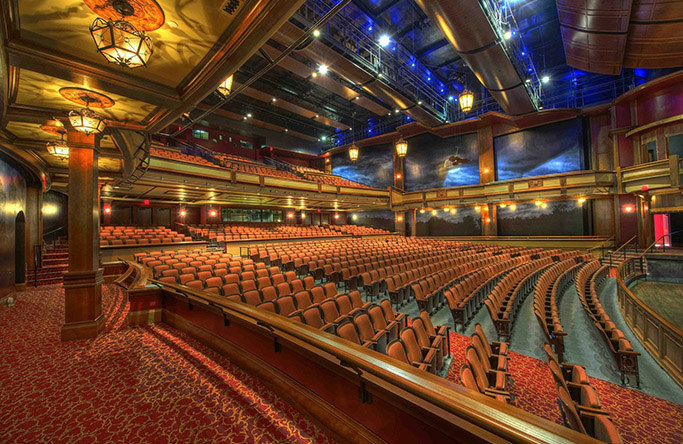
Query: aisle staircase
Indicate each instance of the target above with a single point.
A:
(55, 261)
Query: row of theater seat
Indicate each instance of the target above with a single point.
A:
(486, 368)
(579, 401)
(227, 232)
(431, 291)
(480, 277)
(359, 230)
(589, 280)
(422, 344)
(550, 286)
(131, 235)
(509, 293)
(330, 179)
(175, 155)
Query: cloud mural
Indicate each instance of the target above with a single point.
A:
(433, 162)
(374, 167)
(557, 219)
(465, 222)
(382, 219)
(548, 149)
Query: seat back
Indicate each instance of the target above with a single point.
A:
(347, 330)
(312, 316)
(411, 346)
(396, 350)
(569, 411)
(468, 379)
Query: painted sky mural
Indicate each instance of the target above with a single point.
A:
(465, 222)
(556, 219)
(433, 162)
(382, 219)
(548, 149)
(374, 167)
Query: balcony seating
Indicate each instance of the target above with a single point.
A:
(130, 235)
(172, 154)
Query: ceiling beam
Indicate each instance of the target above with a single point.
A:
(25, 54)
(432, 47)
(386, 7)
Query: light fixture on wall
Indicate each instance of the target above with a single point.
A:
(183, 213)
(628, 208)
(466, 100)
(336, 215)
(401, 147)
(117, 39)
(106, 208)
(225, 88)
(213, 213)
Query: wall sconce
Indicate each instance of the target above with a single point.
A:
(213, 213)
(182, 212)
(628, 208)
(107, 209)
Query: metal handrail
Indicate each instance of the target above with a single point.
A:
(601, 246)
(653, 244)
(628, 242)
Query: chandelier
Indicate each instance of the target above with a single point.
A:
(86, 121)
(466, 100)
(226, 86)
(57, 148)
(401, 147)
(118, 40)
(353, 153)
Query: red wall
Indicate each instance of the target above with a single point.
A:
(222, 146)
(660, 104)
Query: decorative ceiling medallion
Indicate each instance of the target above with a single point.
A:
(54, 127)
(146, 15)
(86, 97)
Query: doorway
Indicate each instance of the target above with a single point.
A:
(20, 249)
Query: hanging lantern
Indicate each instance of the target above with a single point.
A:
(86, 121)
(466, 100)
(121, 43)
(401, 147)
(226, 86)
(353, 153)
(58, 148)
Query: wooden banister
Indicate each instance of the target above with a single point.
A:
(457, 407)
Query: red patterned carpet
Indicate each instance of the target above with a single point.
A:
(639, 417)
(131, 385)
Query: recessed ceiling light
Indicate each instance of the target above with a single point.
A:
(316, 33)
(322, 69)
(249, 115)
(172, 24)
(384, 40)
(545, 79)
(274, 99)
(317, 115)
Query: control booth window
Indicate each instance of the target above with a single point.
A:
(246, 144)
(200, 134)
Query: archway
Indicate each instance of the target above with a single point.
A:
(20, 248)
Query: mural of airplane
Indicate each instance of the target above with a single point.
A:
(454, 161)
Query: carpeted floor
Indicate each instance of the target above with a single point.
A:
(639, 417)
(131, 385)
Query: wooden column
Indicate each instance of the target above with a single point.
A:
(399, 173)
(413, 224)
(489, 220)
(487, 172)
(34, 224)
(400, 222)
(646, 222)
(83, 281)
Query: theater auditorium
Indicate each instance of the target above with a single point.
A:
(341, 221)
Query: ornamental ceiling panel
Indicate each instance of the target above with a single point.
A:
(189, 31)
(42, 91)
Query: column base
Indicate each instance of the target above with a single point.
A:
(83, 305)
(82, 330)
